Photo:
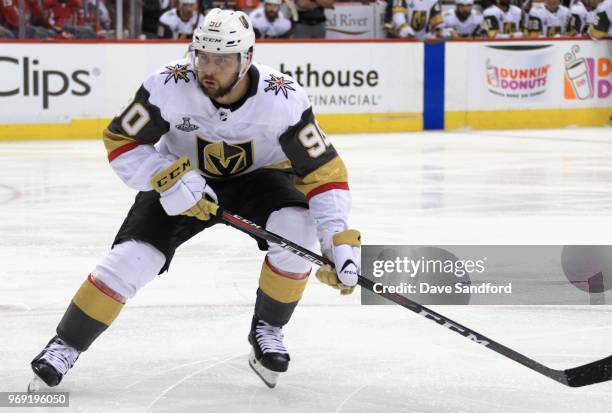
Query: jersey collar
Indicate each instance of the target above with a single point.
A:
(253, 75)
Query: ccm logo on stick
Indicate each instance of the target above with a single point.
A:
(45, 83)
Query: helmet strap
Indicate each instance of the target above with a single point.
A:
(243, 70)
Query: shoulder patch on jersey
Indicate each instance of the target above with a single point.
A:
(177, 72)
(278, 84)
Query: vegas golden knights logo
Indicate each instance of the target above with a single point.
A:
(222, 159)
(419, 20)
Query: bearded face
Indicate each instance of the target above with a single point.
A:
(463, 11)
(271, 11)
(217, 72)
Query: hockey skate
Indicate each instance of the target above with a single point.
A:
(268, 357)
(52, 364)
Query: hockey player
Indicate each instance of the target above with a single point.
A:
(548, 21)
(503, 20)
(582, 14)
(225, 130)
(269, 23)
(464, 21)
(179, 22)
(603, 16)
(421, 19)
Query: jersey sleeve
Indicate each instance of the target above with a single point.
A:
(320, 174)
(164, 27)
(398, 16)
(602, 23)
(479, 30)
(574, 24)
(285, 26)
(129, 140)
(534, 26)
(435, 16)
(491, 24)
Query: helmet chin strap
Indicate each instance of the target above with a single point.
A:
(244, 71)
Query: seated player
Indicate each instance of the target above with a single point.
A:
(548, 21)
(464, 21)
(582, 14)
(179, 22)
(603, 15)
(269, 23)
(420, 19)
(503, 20)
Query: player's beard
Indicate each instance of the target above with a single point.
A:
(271, 15)
(219, 90)
(462, 15)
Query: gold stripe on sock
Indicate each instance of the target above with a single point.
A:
(96, 304)
(279, 287)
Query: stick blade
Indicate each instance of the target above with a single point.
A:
(595, 372)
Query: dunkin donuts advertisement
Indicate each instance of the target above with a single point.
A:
(539, 75)
(518, 72)
(587, 77)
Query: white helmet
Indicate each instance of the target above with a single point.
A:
(464, 2)
(181, 2)
(277, 2)
(226, 31)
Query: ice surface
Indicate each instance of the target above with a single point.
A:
(180, 345)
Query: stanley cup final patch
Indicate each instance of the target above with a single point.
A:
(186, 126)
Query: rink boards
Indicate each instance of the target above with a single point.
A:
(72, 89)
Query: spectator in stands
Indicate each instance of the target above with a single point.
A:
(33, 19)
(67, 18)
(247, 5)
(151, 12)
(269, 23)
(421, 19)
(178, 23)
(582, 14)
(311, 18)
(548, 21)
(503, 20)
(602, 27)
(464, 21)
(104, 24)
(6, 33)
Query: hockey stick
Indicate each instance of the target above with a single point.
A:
(591, 373)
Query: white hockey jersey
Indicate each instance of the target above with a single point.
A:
(503, 24)
(280, 27)
(470, 27)
(273, 126)
(416, 18)
(603, 16)
(579, 20)
(545, 23)
(179, 28)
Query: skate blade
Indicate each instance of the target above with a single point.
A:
(268, 376)
(36, 385)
